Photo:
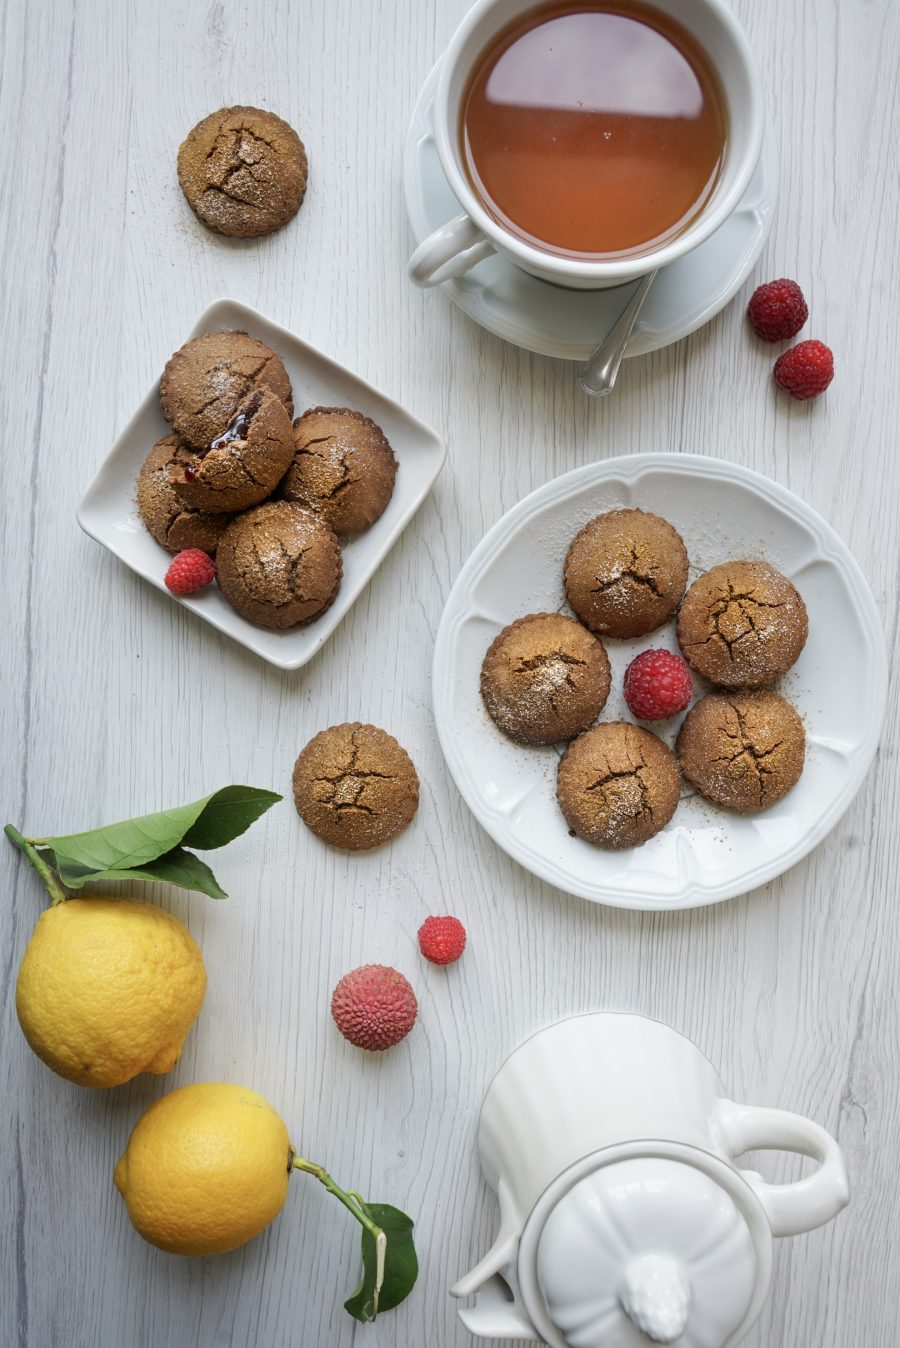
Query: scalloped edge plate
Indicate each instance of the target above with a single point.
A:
(839, 684)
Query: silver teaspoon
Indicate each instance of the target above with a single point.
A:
(598, 376)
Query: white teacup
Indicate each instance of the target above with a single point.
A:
(475, 234)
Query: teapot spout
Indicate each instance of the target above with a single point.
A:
(498, 1312)
(656, 1297)
(494, 1316)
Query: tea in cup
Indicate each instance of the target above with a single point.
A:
(591, 141)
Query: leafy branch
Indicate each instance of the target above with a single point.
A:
(390, 1264)
(149, 847)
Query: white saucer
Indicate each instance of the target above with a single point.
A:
(839, 684)
(569, 323)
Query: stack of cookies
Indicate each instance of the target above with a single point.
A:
(269, 500)
(546, 679)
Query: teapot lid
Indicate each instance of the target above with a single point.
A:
(646, 1250)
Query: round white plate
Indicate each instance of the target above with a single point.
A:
(838, 685)
(569, 323)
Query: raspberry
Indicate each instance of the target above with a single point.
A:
(658, 684)
(777, 310)
(374, 1007)
(190, 570)
(442, 939)
(805, 370)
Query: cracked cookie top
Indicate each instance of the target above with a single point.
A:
(343, 468)
(172, 523)
(243, 171)
(243, 465)
(742, 624)
(279, 565)
(355, 786)
(618, 785)
(544, 679)
(743, 750)
(206, 379)
(625, 573)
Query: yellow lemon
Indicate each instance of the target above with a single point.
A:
(206, 1168)
(109, 988)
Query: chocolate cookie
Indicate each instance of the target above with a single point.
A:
(744, 750)
(343, 468)
(243, 171)
(355, 786)
(279, 565)
(206, 379)
(625, 573)
(618, 785)
(544, 679)
(244, 464)
(742, 624)
(171, 522)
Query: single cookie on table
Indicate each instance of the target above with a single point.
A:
(243, 171)
(743, 750)
(742, 624)
(545, 678)
(173, 524)
(279, 565)
(625, 573)
(355, 787)
(207, 378)
(343, 468)
(618, 785)
(243, 465)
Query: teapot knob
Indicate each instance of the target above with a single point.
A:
(656, 1296)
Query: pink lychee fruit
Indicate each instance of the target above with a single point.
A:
(374, 1007)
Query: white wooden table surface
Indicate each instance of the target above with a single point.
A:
(116, 701)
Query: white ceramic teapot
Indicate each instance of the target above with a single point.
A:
(624, 1220)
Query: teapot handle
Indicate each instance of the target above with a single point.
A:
(807, 1203)
(498, 1312)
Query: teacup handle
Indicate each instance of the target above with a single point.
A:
(807, 1203)
(448, 252)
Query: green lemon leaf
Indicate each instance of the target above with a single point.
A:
(177, 867)
(210, 822)
(401, 1266)
(227, 814)
(151, 846)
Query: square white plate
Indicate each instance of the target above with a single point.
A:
(108, 511)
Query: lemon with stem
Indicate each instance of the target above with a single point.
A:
(107, 988)
(207, 1168)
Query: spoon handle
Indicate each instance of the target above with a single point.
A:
(598, 376)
